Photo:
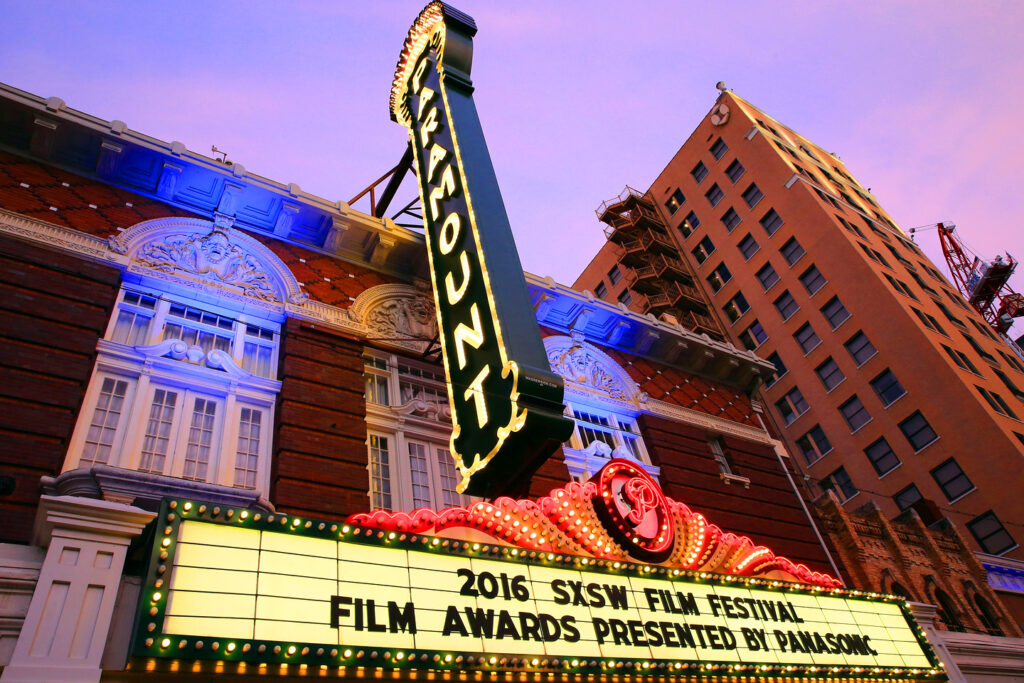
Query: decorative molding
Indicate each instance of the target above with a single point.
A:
(706, 422)
(49, 234)
(210, 252)
(585, 367)
(591, 374)
(396, 314)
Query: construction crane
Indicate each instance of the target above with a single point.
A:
(982, 283)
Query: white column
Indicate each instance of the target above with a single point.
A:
(65, 630)
(924, 615)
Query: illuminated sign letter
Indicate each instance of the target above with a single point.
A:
(506, 403)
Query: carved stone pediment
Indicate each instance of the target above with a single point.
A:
(401, 315)
(584, 365)
(212, 254)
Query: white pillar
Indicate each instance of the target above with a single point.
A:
(65, 630)
(924, 614)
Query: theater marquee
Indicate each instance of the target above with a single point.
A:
(238, 586)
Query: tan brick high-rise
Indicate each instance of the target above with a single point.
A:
(889, 386)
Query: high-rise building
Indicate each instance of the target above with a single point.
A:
(888, 385)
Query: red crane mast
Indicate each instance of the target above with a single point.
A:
(982, 283)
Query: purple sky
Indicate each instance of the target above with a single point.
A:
(920, 99)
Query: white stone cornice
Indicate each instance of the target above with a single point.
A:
(706, 422)
(51, 235)
(87, 518)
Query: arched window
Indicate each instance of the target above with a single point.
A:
(185, 379)
(897, 588)
(987, 615)
(947, 610)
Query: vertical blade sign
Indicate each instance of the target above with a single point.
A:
(506, 403)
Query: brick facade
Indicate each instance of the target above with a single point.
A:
(53, 309)
(768, 511)
(924, 563)
(320, 437)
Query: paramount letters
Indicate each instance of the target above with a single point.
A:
(506, 403)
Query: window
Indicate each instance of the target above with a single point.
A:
(722, 456)
(134, 314)
(961, 359)
(689, 224)
(601, 290)
(835, 313)
(949, 315)
(830, 374)
(748, 246)
(730, 219)
(106, 418)
(380, 473)
(200, 439)
(786, 305)
(752, 195)
(854, 412)
(988, 531)
(735, 171)
(807, 338)
(205, 415)
(1012, 362)
(887, 387)
(767, 276)
(978, 350)
(736, 307)
(376, 376)
(715, 194)
(814, 444)
(675, 201)
(996, 401)
(840, 483)
(906, 497)
(753, 336)
(791, 406)
(882, 457)
(1012, 386)
(703, 249)
(900, 286)
(625, 297)
(158, 431)
(929, 321)
(917, 430)
(718, 277)
(615, 431)
(248, 451)
(408, 432)
(699, 172)
(812, 280)
(860, 348)
(952, 480)
(718, 149)
(614, 275)
(771, 222)
(780, 368)
(791, 251)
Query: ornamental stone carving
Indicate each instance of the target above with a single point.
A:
(213, 257)
(208, 255)
(401, 315)
(582, 364)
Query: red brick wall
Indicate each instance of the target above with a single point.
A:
(768, 512)
(320, 441)
(53, 309)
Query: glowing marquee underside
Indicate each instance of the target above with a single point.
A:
(398, 591)
(506, 403)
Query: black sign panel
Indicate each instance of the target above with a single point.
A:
(506, 403)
